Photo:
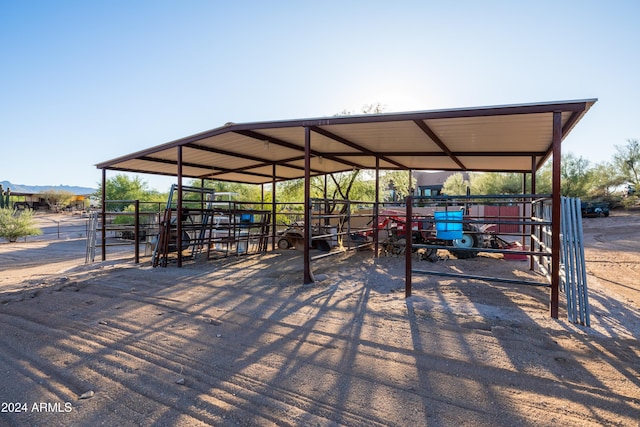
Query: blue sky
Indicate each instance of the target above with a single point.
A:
(86, 81)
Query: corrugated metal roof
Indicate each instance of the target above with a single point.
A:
(496, 138)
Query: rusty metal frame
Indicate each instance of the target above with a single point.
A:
(576, 110)
(435, 138)
(308, 274)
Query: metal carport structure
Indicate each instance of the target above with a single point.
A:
(506, 138)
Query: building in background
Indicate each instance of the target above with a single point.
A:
(431, 183)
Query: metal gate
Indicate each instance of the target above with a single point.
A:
(573, 272)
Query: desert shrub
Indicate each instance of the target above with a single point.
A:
(631, 202)
(16, 224)
(126, 219)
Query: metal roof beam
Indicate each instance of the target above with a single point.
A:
(265, 162)
(280, 163)
(351, 144)
(172, 162)
(498, 153)
(220, 171)
(431, 134)
(284, 163)
(226, 153)
(441, 154)
(276, 141)
(497, 110)
(569, 124)
(199, 166)
(145, 171)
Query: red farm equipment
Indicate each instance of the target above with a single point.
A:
(445, 229)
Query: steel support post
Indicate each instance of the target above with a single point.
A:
(532, 229)
(103, 216)
(308, 275)
(555, 214)
(179, 210)
(524, 210)
(376, 209)
(408, 248)
(273, 207)
(136, 228)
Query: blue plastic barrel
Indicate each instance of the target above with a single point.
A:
(445, 229)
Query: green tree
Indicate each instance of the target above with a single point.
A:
(16, 224)
(349, 186)
(291, 191)
(244, 192)
(576, 177)
(456, 185)
(122, 187)
(395, 185)
(57, 198)
(627, 160)
(496, 183)
(604, 178)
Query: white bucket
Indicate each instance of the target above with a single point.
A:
(334, 236)
(243, 242)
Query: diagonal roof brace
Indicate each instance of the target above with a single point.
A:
(571, 122)
(226, 152)
(199, 166)
(351, 144)
(277, 141)
(264, 162)
(279, 163)
(431, 134)
(172, 162)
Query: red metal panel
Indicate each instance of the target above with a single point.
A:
(501, 214)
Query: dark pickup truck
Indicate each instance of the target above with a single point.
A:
(595, 209)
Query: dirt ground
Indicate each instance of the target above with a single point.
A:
(242, 342)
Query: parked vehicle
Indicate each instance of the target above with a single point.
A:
(591, 209)
(293, 237)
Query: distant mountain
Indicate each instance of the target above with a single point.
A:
(17, 188)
